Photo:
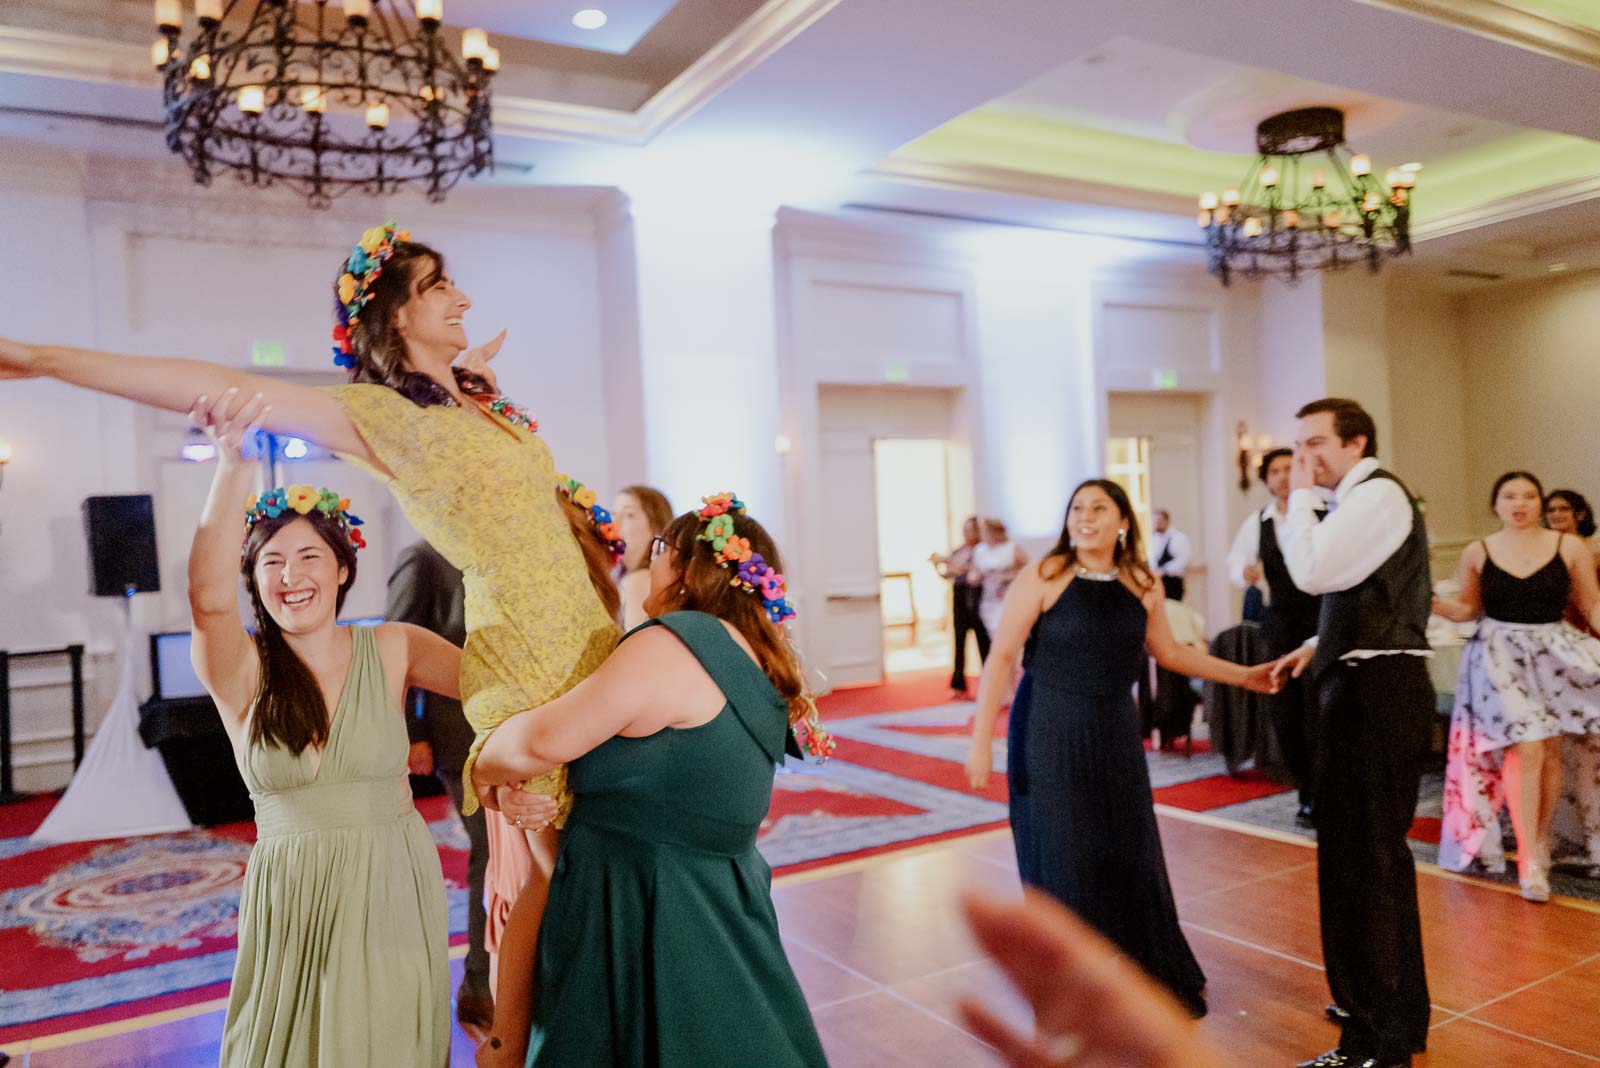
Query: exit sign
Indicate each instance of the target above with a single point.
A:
(266, 354)
(1166, 379)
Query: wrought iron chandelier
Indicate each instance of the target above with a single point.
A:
(366, 98)
(1307, 204)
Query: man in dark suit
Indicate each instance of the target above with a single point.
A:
(1368, 561)
(426, 589)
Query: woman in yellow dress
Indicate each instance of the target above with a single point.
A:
(464, 463)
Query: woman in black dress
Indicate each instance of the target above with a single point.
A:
(1082, 815)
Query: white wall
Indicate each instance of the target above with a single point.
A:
(1430, 436)
(129, 256)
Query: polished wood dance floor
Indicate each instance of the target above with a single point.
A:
(883, 958)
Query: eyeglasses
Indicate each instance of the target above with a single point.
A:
(658, 545)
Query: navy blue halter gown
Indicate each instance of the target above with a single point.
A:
(1082, 813)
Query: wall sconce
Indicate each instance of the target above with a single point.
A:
(1251, 449)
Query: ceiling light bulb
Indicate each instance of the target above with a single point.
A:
(1360, 164)
(1230, 197)
(378, 116)
(1370, 202)
(1291, 219)
(430, 10)
(589, 19)
(1208, 201)
(200, 69)
(1269, 176)
(357, 10)
(1318, 180)
(209, 10)
(1252, 227)
(160, 53)
(252, 99)
(168, 14)
(474, 43)
(491, 59)
(1331, 220)
(314, 99)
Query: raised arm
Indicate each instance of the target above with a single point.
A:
(1019, 612)
(1467, 604)
(172, 384)
(1186, 660)
(223, 655)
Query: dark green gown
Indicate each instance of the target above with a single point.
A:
(660, 945)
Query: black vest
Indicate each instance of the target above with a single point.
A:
(1389, 608)
(1291, 618)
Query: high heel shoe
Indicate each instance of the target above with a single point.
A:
(1535, 880)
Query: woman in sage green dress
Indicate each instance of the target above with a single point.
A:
(343, 947)
(660, 944)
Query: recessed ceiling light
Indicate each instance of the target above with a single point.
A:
(590, 18)
(1559, 266)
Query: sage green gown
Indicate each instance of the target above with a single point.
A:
(343, 938)
(659, 944)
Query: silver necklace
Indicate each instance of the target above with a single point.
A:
(1096, 576)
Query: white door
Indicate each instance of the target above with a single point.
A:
(1171, 424)
(852, 637)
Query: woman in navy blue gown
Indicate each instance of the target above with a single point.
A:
(1082, 622)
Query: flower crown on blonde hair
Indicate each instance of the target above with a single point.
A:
(302, 500)
(599, 518)
(355, 284)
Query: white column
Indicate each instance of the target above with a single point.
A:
(707, 343)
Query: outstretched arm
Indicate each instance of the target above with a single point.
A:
(1018, 614)
(172, 384)
(223, 655)
(1186, 660)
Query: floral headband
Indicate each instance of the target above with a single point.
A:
(751, 570)
(584, 497)
(302, 499)
(807, 736)
(355, 284)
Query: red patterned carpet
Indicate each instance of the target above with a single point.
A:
(114, 929)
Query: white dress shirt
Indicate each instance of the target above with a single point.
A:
(1366, 524)
(1246, 549)
(1178, 542)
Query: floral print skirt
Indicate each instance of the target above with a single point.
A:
(1522, 682)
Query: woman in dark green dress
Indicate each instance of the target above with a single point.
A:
(659, 945)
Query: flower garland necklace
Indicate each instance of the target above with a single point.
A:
(507, 409)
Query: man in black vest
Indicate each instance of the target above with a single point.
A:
(1169, 553)
(1289, 620)
(1368, 559)
(426, 589)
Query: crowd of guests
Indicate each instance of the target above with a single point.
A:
(981, 570)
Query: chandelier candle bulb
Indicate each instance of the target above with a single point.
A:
(1269, 176)
(1208, 201)
(430, 10)
(1204, 219)
(1318, 180)
(1252, 227)
(1371, 202)
(357, 10)
(1332, 220)
(208, 10)
(313, 99)
(474, 43)
(160, 53)
(1360, 164)
(169, 16)
(491, 59)
(378, 116)
(200, 69)
(252, 99)
(1231, 198)
(1291, 219)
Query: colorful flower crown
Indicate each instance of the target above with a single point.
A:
(302, 499)
(751, 571)
(584, 497)
(355, 284)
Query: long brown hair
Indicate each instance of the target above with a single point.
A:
(287, 709)
(703, 586)
(1129, 553)
(379, 350)
(657, 512)
(596, 554)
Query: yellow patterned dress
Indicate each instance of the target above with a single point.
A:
(482, 491)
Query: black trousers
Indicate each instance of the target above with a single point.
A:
(475, 969)
(1173, 587)
(1293, 708)
(965, 618)
(1371, 739)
